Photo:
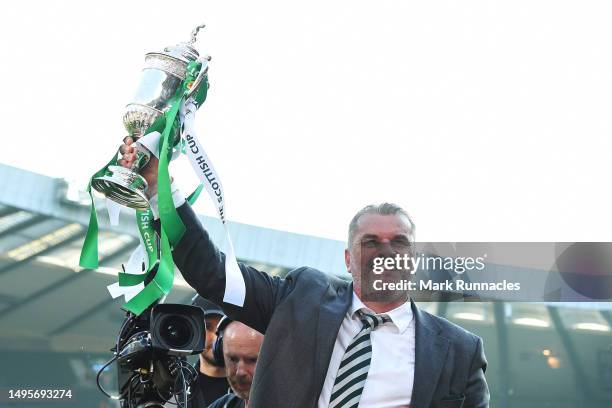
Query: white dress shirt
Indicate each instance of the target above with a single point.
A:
(391, 374)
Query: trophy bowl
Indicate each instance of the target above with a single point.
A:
(123, 186)
(161, 78)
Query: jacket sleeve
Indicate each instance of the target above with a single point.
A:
(477, 390)
(203, 267)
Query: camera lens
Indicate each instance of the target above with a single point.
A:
(176, 331)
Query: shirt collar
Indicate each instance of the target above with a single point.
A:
(401, 316)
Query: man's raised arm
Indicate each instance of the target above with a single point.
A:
(203, 265)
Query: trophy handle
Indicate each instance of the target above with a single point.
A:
(200, 77)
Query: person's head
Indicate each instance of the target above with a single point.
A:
(382, 230)
(212, 316)
(241, 346)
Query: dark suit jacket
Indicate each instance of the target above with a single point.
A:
(300, 317)
(227, 401)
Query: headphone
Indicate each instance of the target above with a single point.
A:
(217, 348)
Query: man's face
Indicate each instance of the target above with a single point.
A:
(378, 236)
(211, 327)
(241, 346)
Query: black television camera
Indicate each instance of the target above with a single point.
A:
(151, 352)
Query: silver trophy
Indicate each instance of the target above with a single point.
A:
(162, 76)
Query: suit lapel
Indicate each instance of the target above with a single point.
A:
(430, 355)
(334, 304)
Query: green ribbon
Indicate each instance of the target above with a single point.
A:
(196, 193)
(162, 282)
(144, 220)
(172, 227)
(89, 252)
(159, 286)
(170, 220)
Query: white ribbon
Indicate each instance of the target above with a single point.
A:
(138, 258)
(150, 142)
(235, 289)
(133, 266)
(114, 211)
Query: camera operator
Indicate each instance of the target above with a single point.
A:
(212, 382)
(238, 346)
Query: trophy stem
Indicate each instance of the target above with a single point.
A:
(124, 185)
(142, 158)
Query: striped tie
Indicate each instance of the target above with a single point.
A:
(355, 363)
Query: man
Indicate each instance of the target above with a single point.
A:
(239, 346)
(212, 382)
(325, 344)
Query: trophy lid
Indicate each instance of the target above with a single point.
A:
(174, 59)
(181, 51)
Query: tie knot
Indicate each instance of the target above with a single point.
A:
(371, 320)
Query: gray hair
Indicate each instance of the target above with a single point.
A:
(381, 209)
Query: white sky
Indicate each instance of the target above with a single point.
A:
(485, 120)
